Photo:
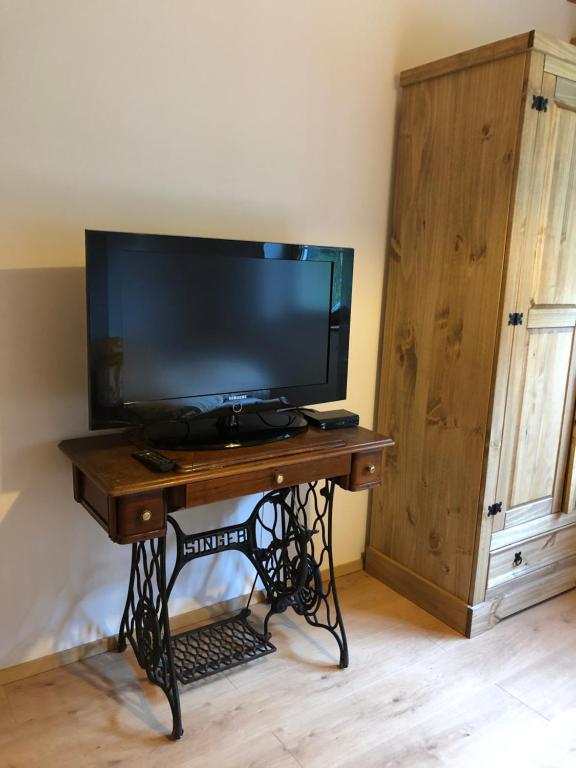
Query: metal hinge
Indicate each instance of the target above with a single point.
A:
(493, 509)
(515, 318)
(540, 103)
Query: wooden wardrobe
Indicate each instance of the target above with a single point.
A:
(476, 516)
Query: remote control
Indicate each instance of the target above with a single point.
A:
(154, 460)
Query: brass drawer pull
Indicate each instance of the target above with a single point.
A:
(278, 478)
(371, 469)
(145, 515)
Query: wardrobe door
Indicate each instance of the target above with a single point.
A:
(535, 464)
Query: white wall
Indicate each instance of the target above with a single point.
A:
(254, 119)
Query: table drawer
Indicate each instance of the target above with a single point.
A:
(139, 516)
(525, 556)
(281, 475)
(366, 470)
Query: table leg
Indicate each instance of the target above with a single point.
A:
(308, 583)
(318, 598)
(145, 622)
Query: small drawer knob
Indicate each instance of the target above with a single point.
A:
(278, 478)
(371, 468)
(145, 515)
(517, 559)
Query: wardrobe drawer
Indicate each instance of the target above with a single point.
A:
(516, 595)
(525, 556)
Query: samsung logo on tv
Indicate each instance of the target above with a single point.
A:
(237, 397)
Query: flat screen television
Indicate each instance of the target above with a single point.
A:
(210, 343)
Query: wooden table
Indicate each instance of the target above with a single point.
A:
(287, 538)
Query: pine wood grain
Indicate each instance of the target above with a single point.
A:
(456, 161)
(549, 521)
(560, 56)
(520, 230)
(546, 409)
(525, 233)
(513, 595)
(442, 604)
(560, 67)
(485, 453)
(525, 512)
(569, 501)
(459, 61)
(561, 49)
(565, 94)
(522, 557)
(560, 316)
(541, 394)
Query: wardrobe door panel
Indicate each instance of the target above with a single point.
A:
(535, 475)
(546, 407)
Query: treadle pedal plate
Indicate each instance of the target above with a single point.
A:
(215, 647)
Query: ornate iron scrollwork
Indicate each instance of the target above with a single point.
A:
(148, 635)
(145, 622)
(287, 538)
(309, 594)
(313, 597)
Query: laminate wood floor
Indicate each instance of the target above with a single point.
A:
(415, 695)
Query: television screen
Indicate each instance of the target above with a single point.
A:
(190, 325)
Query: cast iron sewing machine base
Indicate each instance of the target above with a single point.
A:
(288, 540)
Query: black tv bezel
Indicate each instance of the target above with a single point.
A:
(100, 243)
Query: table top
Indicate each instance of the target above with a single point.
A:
(108, 460)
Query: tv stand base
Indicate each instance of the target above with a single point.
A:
(233, 430)
(287, 538)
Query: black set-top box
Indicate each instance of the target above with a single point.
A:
(331, 419)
